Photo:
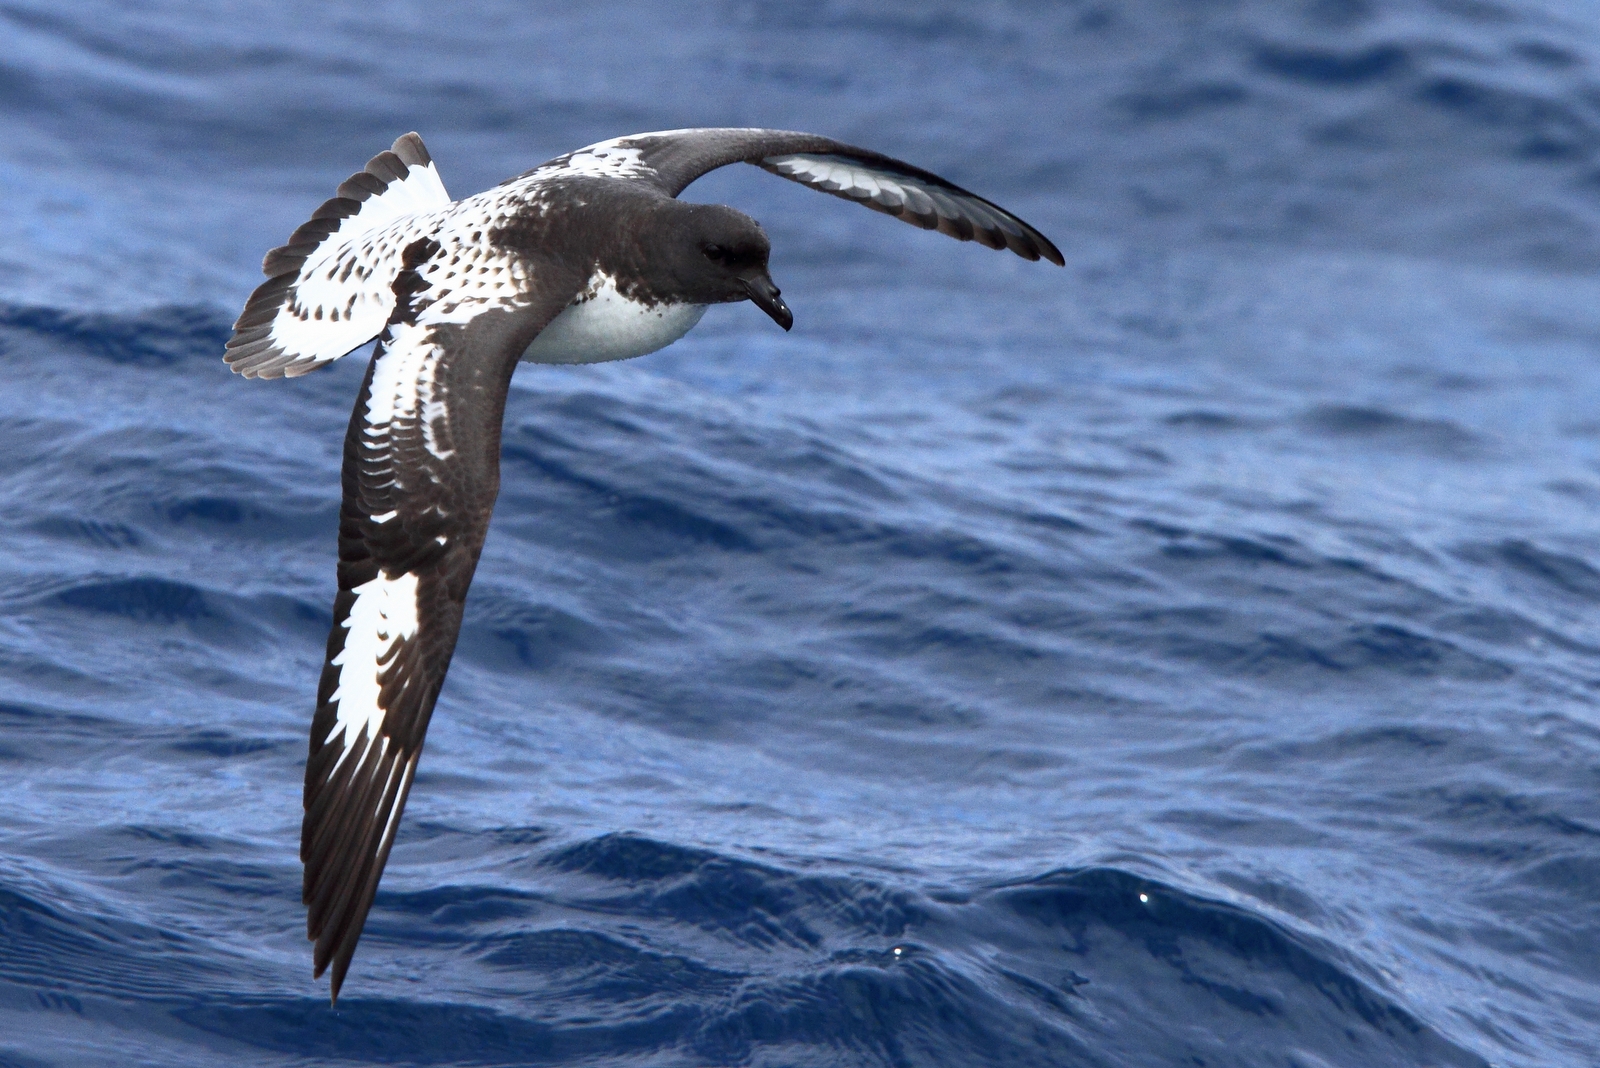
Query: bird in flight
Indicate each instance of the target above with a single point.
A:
(587, 258)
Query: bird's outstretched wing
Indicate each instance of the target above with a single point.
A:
(671, 159)
(421, 472)
(331, 288)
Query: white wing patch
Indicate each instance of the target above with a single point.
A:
(835, 174)
(401, 377)
(606, 159)
(613, 158)
(384, 616)
(461, 284)
(405, 387)
(618, 157)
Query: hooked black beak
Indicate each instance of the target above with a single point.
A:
(764, 295)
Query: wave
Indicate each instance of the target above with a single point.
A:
(637, 949)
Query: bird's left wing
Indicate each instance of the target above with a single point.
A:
(421, 473)
(671, 159)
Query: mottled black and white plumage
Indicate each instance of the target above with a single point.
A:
(589, 257)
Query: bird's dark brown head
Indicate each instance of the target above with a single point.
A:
(719, 256)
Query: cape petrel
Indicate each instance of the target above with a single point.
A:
(587, 258)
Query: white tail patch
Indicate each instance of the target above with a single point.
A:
(384, 616)
(331, 287)
(344, 293)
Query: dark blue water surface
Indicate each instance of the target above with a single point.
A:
(1190, 657)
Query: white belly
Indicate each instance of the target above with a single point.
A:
(608, 326)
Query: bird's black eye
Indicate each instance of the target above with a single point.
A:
(715, 253)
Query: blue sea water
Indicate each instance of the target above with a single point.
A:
(1189, 657)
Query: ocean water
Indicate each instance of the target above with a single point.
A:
(1189, 657)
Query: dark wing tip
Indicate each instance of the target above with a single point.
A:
(341, 877)
(1047, 249)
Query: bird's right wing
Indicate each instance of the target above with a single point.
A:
(671, 159)
(421, 472)
(331, 288)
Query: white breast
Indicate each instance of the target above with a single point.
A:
(604, 325)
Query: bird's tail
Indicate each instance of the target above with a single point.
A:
(329, 289)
